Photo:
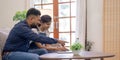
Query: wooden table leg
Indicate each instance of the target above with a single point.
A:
(101, 58)
(87, 59)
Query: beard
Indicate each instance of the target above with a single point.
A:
(33, 25)
(36, 26)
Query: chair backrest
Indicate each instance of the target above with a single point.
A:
(3, 36)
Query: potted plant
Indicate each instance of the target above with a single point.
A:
(89, 45)
(20, 15)
(76, 47)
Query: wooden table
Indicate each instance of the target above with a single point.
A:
(82, 55)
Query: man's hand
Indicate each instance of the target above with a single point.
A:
(62, 42)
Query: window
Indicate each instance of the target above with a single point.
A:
(64, 18)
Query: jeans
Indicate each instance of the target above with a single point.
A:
(30, 55)
(38, 51)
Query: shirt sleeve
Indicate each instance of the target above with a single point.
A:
(27, 34)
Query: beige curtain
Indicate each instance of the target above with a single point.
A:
(111, 28)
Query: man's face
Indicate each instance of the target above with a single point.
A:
(35, 21)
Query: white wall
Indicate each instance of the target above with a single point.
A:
(8, 9)
(94, 20)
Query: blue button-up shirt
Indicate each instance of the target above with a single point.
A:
(20, 36)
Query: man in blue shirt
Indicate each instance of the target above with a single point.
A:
(17, 43)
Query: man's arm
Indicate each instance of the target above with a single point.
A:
(27, 34)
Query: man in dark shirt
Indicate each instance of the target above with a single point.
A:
(17, 43)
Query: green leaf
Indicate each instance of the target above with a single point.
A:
(76, 46)
(19, 15)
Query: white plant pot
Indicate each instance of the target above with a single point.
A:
(76, 52)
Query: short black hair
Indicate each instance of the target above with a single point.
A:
(45, 18)
(32, 11)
